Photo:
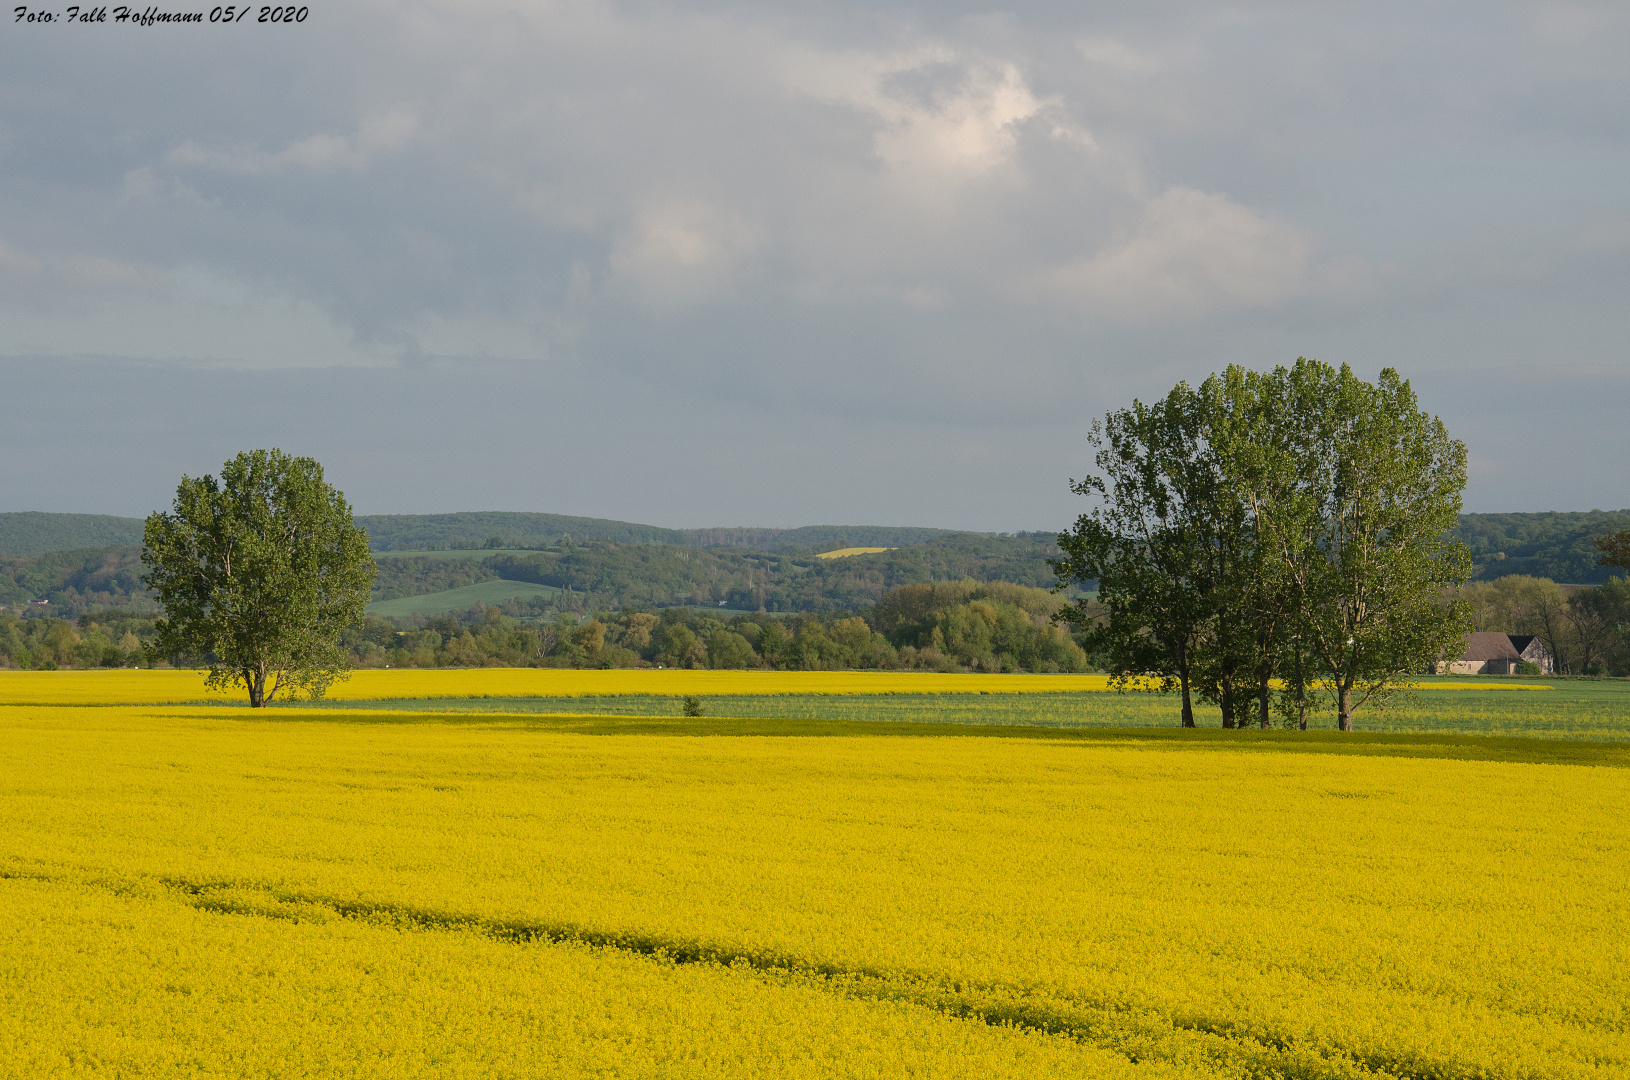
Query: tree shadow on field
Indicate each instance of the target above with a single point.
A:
(1175, 739)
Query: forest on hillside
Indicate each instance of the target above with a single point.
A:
(1554, 545)
(74, 582)
(451, 532)
(31, 533)
(609, 575)
(68, 561)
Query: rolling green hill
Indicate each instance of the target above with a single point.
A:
(84, 561)
(33, 533)
(1553, 545)
(412, 532)
(405, 532)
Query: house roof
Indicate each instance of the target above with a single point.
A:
(1492, 645)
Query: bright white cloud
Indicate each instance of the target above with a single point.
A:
(958, 116)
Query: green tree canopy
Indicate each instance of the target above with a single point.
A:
(258, 573)
(1615, 549)
(1366, 546)
(1150, 543)
(1294, 524)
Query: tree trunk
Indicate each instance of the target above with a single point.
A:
(1301, 681)
(1344, 708)
(1227, 697)
(1264, 693)
(1183, 677)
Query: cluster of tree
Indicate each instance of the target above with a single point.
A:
(74, 582)
(1559, 546)
(948, 626)
(1291, 528)
(108, 639)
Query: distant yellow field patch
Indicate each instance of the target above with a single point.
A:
(124, 686)
(844, 553)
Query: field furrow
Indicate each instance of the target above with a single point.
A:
(1134, 1037)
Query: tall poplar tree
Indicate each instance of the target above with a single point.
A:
(1363, 538)
(1148, 544)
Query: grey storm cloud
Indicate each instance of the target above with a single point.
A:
(850, 235)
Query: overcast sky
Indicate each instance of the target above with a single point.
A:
(784, 264)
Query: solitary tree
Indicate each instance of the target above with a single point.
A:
(258, 573)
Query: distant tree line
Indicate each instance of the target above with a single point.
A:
(1587, 631)
(944, 626)
(110, 638)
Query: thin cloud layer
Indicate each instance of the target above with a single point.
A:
(1191, 253)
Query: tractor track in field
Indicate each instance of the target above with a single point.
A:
(1139, 1036)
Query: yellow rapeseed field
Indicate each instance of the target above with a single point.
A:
(135, 687)
(217, 892)
(150, 987)
(844, 553)
(165, 686)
